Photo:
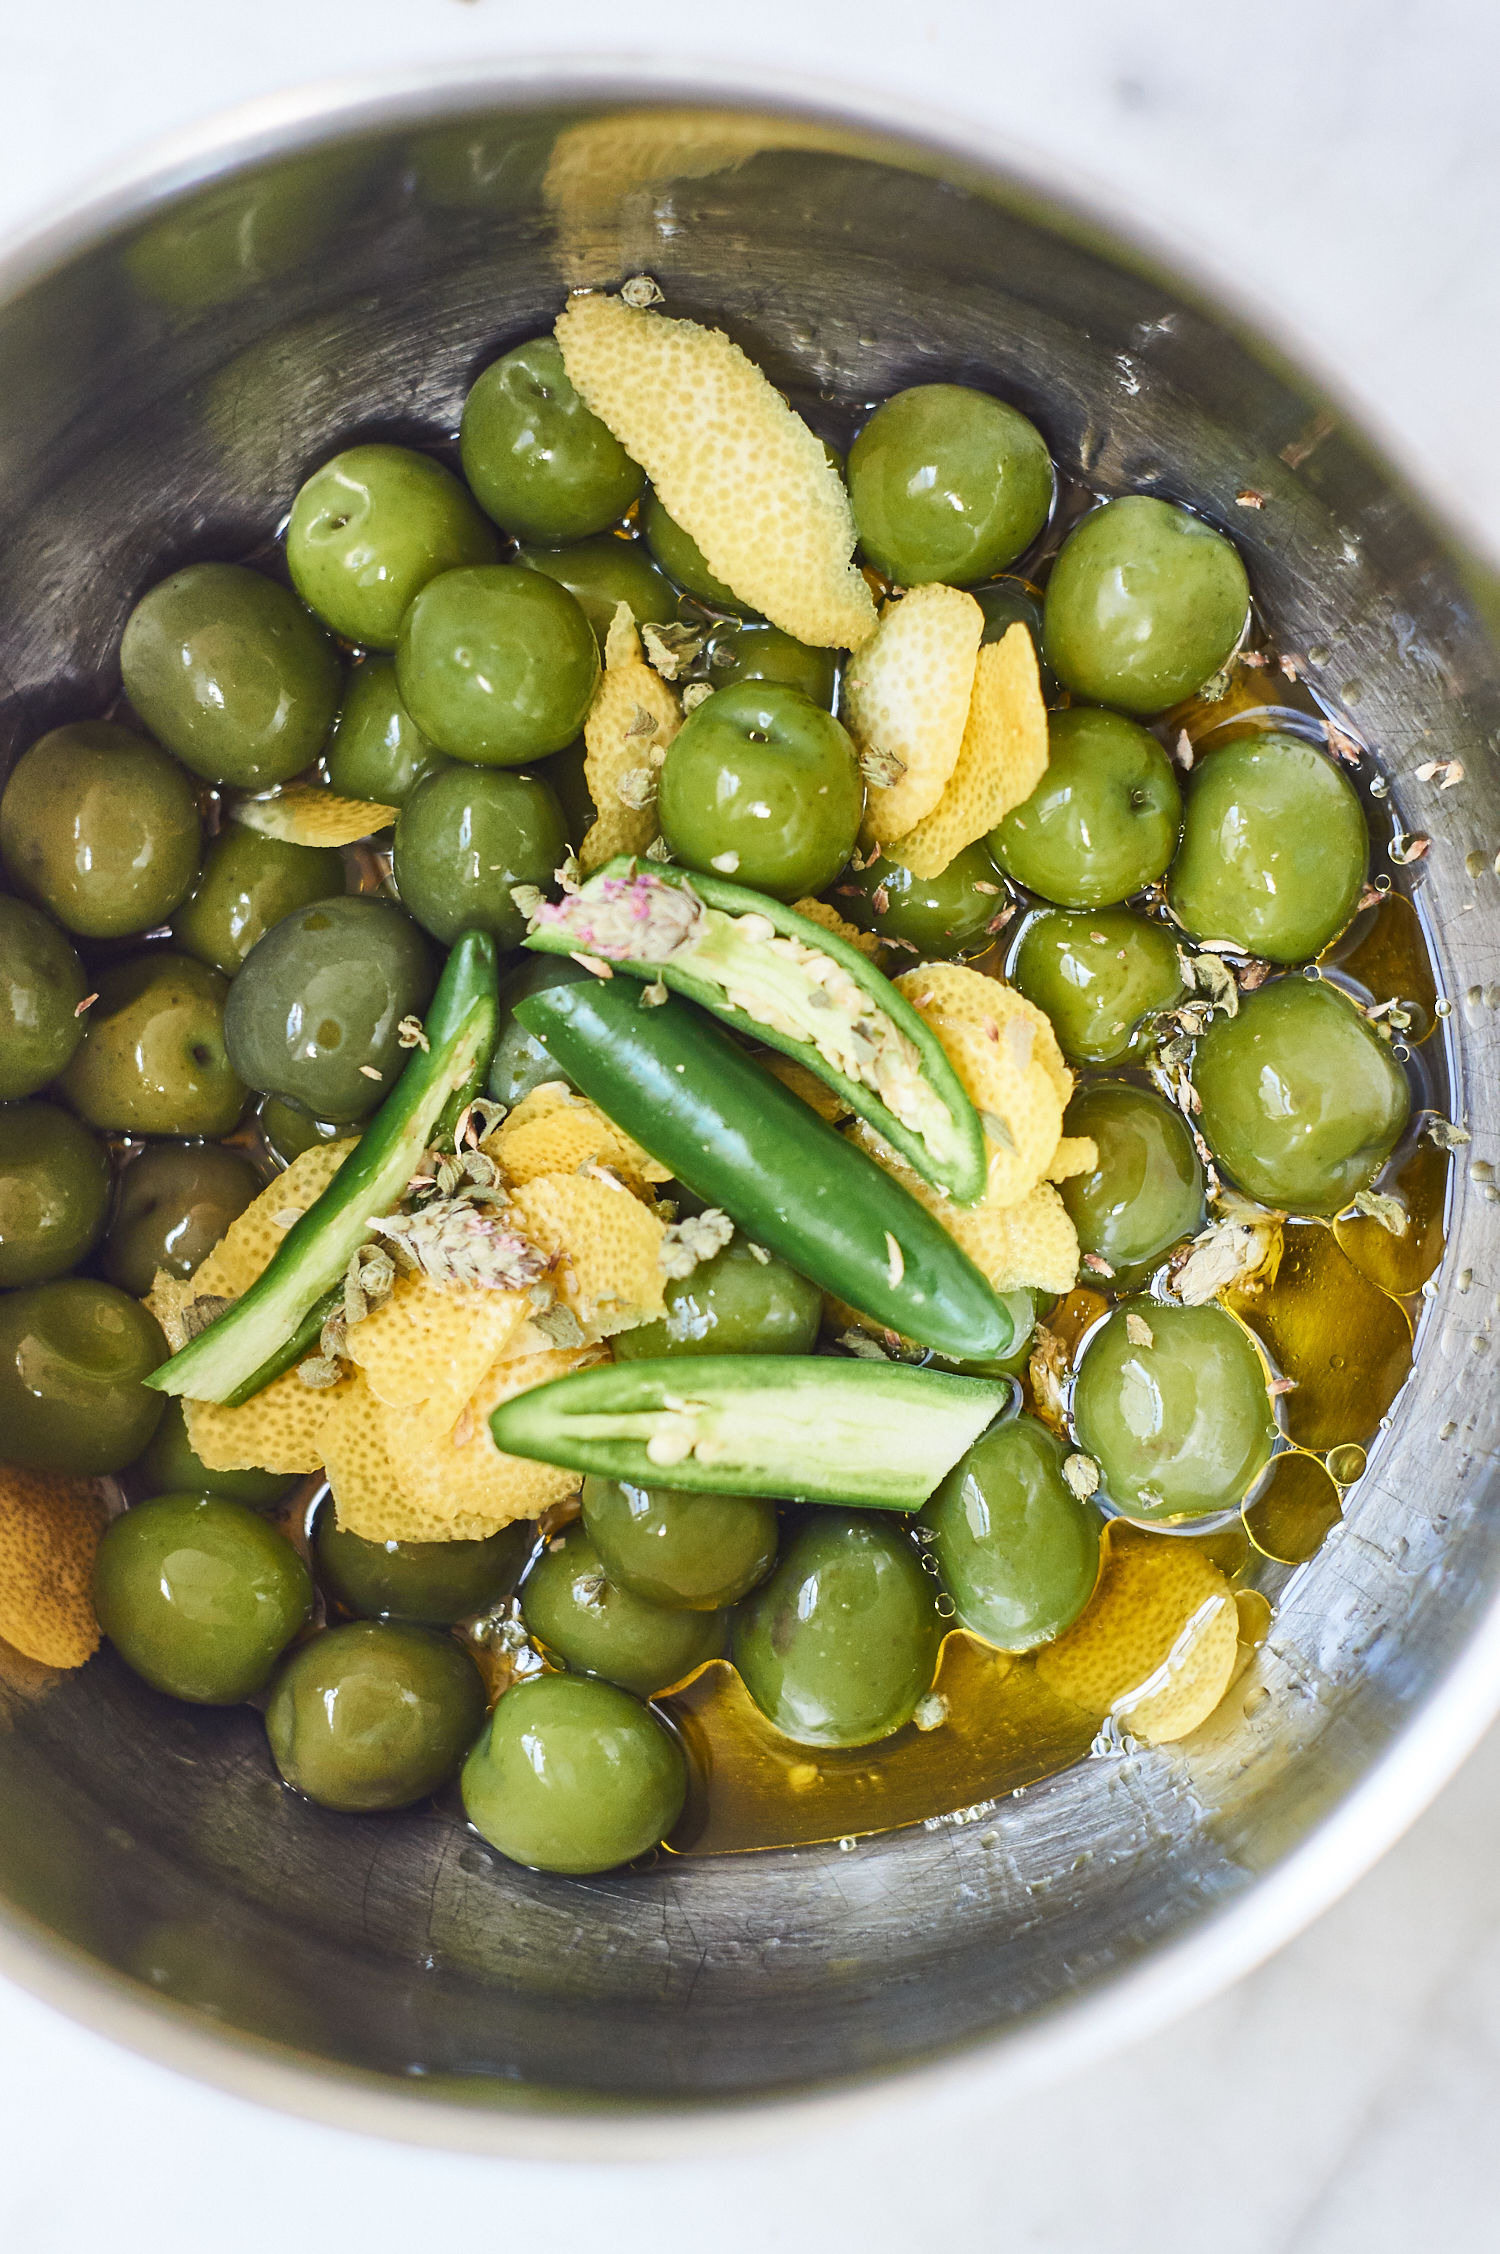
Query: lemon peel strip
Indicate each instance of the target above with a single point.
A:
(906, 703)
(1001, 760)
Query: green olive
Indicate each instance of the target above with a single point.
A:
(839, 1644)
(199, 1596)
(1103, 821)
(1302, 1101)
(101, 828)
(1274, 849)
(948, 484)
(570, 1605)
(573, 1775)
(1017, 1551)
(521, 1062)
(762, 785)
(170, 1465)
(1146, 1192)
(1179, 1420)
(740, 1301)
(153, 1059)
(540, 462)
(1101, 976)
(232, 674)
(175, 1202)
(602, 573)
(750, 650)
(940, 918)
(370, 528)
(465, 838)
(430, 1583)
(377, 751)
(374, 1715)
(72, 1358)
(54, 1193)
(682, 559)
(42, 989)
(290, 1129)
(681, 1550)
(1144, 605)
(497, 665)
(247, 883)
(224, 243)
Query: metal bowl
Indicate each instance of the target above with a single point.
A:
(174, 356)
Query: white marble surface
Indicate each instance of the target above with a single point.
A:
(1341, 163)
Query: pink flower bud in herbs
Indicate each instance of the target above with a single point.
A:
(642, 918)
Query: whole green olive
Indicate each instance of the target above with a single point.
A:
(175, 1202)
(602, 573)
(1174, 1410)
(1103, 821)
(735, 1302)
(290, 1130)
(839, 1644)
(430, 1583)
(465, 838)
(540, 462)
(941, 918)
(948, 484)
(72, 1358)
(199, 1596)
(1017, 1551)
(762, 785)
(377, 751)
(247, 883)
(41, 999)
(570, 1605)
(374, 1715)
(497, 665)
(1146, 1191)
(1302, 1101)
(1274, 849)
(170, 1465)
(682, 559)
(1101, 976)
(232, 674)
(573, 1775)
(678, 1549)
(101, 828)
(315, 1014)
(54, 1193)
(1144, 604)
(750, 650)
(521, 1061)
(370, 528)
(153, 1059)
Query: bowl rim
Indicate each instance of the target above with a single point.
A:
(1435, 1739)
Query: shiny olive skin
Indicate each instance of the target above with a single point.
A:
(429, 1583)
(521, 1062)
(230, 672)
(199, 1596)
(571, 1606)
(377, 751)
(573, 1775)
(948, 484)
(497, 665)
(247, 883)
(175, 1201)
(290, 1130)
(566, 775)
(675, 1548)
(41, 988)
(1100, 975)
(1016, 1550)
(464, 838)
(153, 1059)
(169, 1465)
(376, 1714)
(321, 997)
(602, 573)
(926, 919)
(539, 461)
(1181, 1427)
(1144, 604)
(842, 1640)
(72, 1357)
(751, 650)
(101, 829)
(370, 528)
(55, 1189)
(732, 1303)
(1146, 1192)
(1103, 821)
(682, 559)
(1274, 849)
(1302, 1101)
(761, 784)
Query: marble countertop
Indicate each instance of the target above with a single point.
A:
(1341, 166)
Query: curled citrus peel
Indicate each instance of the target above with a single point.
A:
(633, 718)
(1001, 760)
(906, 703)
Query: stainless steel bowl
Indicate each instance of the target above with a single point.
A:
(173, 357)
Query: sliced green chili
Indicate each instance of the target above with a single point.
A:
(236, 1349)
(740, 1140)
(805, 1429)
(768, 971)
